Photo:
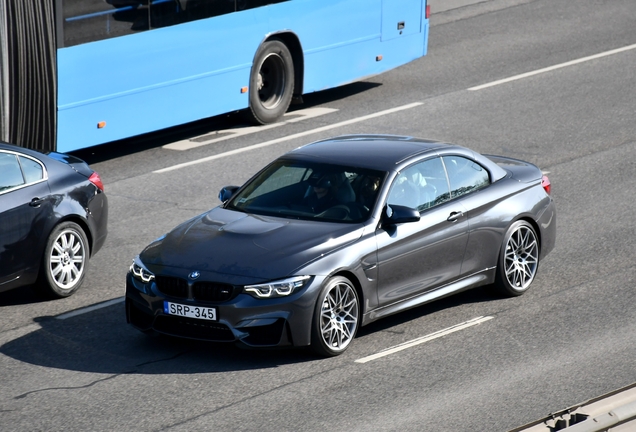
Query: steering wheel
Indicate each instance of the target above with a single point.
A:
(339, 211)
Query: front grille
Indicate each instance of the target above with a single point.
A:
(193, 328)
(201, 290)
(172, 286)
(212, 291)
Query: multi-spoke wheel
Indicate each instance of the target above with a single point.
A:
(64, 262)
(519, 259)
(271, 82)
(336, 317)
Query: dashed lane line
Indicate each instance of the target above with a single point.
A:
(423, 339)
(289, 137)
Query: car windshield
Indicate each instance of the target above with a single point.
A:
(314, 191)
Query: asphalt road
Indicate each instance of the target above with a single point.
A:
(572, 337)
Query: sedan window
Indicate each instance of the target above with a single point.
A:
(10, 172)
(33, 171)
(465, 175)
(420, 186)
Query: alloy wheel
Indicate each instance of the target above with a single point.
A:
(339, 316)
(521, 258)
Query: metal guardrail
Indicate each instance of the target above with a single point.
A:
(615, 411)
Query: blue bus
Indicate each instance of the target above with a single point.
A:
(78, 73)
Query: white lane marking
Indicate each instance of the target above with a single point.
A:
(226, 134)
(551, 68)
(89, 308)
(421, 340)
(289, 137)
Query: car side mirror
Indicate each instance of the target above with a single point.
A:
(397, 214)
(227, 192)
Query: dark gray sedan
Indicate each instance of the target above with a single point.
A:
(339, 233)
(53, 218)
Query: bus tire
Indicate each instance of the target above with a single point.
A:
(271, 82)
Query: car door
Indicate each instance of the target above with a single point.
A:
(469, 184)
(420, 256)
(23, 202)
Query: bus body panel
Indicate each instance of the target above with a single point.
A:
(173, 75)
(401, 18)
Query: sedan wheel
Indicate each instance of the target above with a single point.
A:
(65, 260)
(336, 317)
(519, 259)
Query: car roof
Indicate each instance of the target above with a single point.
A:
(11, 147)
(25, 151)
(380, 152)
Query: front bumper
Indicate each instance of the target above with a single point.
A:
(243, 319)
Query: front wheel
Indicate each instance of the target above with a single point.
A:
(518, 260)
(64, 262)
(336, 317)
(271, 82)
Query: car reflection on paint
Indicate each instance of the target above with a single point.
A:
(53, 218)
(339, 233)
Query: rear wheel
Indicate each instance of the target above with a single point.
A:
(518, 260)
(64, 262)
(336, 318)
(271, 82)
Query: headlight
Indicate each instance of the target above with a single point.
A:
(280, 288)
(140, 272)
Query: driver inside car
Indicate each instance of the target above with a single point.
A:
(323, 193)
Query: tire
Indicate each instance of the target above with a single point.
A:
(271, 82)
(65, 261)
(336, 317)
(518, 260)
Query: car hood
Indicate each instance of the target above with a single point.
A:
(246, 245)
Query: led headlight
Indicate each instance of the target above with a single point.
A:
(140, 272)
(280, 288)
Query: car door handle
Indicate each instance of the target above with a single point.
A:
(454, 216)
(36, 202)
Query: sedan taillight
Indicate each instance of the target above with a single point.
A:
(96, 180)
(545, 184)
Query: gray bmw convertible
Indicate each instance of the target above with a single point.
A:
(339, 233)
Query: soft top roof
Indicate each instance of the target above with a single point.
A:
(380, 152)
(383, 152)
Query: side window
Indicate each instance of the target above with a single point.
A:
(251, 4)
(169, 12)
(92, 20)
(465, 175)
(421, 186)
(10, 172)
(32, 170)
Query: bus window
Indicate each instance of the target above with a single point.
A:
(199, 9)
(93, 20)
(251, 4)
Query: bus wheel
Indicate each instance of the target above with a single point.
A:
(271, 82)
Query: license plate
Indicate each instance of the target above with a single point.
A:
(198, 312)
